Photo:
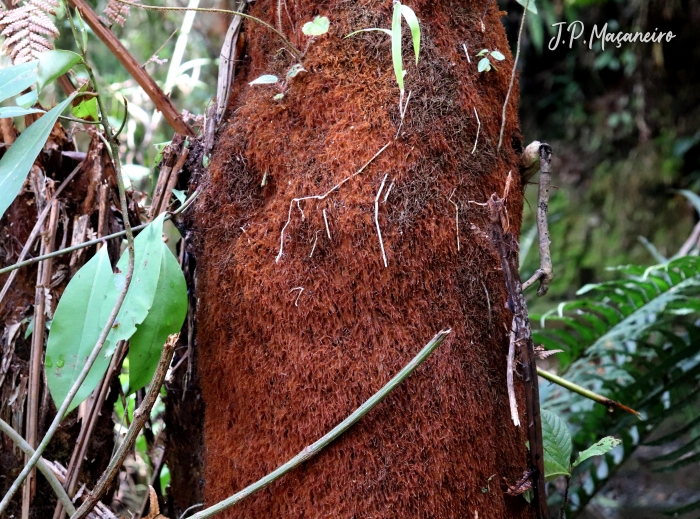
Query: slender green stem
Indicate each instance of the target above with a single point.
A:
(567, 384)
(41, 465)
(90, 243)
(115, 310)
(338, 430)
(297, 53)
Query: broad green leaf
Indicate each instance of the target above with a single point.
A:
(385, 31)
(13, 80)
(396, 45)
(556, 441)
(597, 449)
(414, 25)
(18, 160)
(482, 52)
(16, 111)
(165, 317)
(529, 4)
(317, 27)
(484, 65)
(76, 327)
(497, 55)
(142, 290)
(266, 79)
(86, 109)
(53, 64)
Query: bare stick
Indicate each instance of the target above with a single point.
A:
(320, 197)
(314, 247)
(325, 219)
(316, 447)
(544, 273)
(41, 465)
(35, 231)
(300, 289)
(512, 76)
(386, 195)
(456, 215)
(402, 112)
(141, 416)
(466, 53)
(376, 219)
(567, 384)
(478, 129)
(511, 387)
(692, 242)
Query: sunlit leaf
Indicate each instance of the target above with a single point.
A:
(165, 317)
(317, 27)
(556, 441)
(76, 327)
(597, 449)
(86, 109)
(16, 79)
(18, 160)
(142, 290)
(396, 45)
(414, 25)
(265, 79)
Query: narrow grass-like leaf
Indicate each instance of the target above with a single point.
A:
(53, 64)
(556, 441)
(396, 45)
(693, 198)
(165, 317)
(16, 111)
(142, 290)
(414, 25)
(597, 449)
(18, 160)
(75, 329)
(13, 80)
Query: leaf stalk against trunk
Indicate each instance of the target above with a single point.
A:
(316, 447)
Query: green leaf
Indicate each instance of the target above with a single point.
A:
(53, 64)
(396, 45)
(16, 111)
(556, 441)
(317, 27)
(530, 4)
(28, 99)
(692, 198)
(180, 195)
(414, 25)
(165, 317)
(80, 25)
(497, 55)
(265, 79)
(86, 109)
(385, 31)
(142, 290)
(294, 70)
(484, 65)
(482, 52)
(14, 80)
(597, 449)
(76, 327)
(18, 160)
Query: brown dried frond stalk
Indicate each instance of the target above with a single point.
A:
(26, 29)
(116, 12)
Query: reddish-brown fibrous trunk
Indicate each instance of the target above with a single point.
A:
(289, 348)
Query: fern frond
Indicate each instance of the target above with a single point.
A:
(635, 340)
(25, 29)
(116, 12)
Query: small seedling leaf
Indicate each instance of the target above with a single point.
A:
(14, 80)
(18, 160)
(396, 45)
(497, 55)
(316, 27)
(556, 441)
(484, 65)
(277, 97)
(166, 316)
(414, 25)
(529, 4)
(294, 70)
(482, 52)
(265, 79)
(76, 327)
(597, 449)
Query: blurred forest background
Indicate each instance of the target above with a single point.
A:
(624, 124)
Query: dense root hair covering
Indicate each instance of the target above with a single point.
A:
(281, 366)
